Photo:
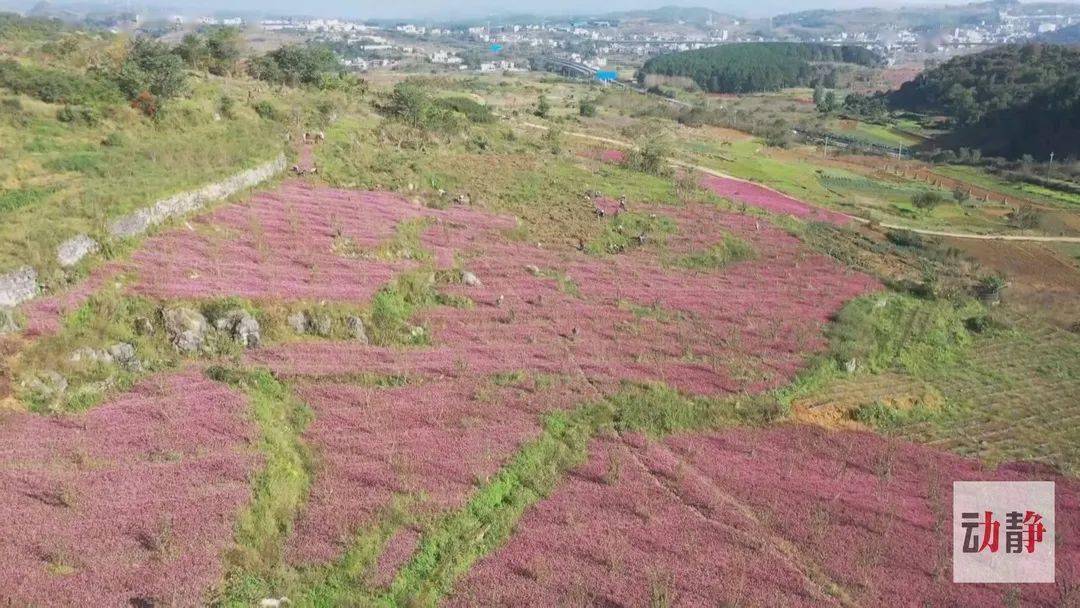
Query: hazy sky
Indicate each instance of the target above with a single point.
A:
(472, 8)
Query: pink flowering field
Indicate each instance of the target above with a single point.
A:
(131, 502)
(742, 191)
(151, 482)
(788, 516)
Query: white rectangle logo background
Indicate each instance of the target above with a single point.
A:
(1001, 497)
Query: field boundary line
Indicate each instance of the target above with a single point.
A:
(861, 220)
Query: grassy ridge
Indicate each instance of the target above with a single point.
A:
(254, 564)
(460, 538)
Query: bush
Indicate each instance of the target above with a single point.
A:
(543, 108)
(1024, 218)
(55, 86)
(227, 107)
(151, 67)
(266, 110)
(926, 199)
(587, 108)
(116, 139)
(960, 195)
(905, 238)
(146, 103)
(651, 155)
(475, 112)
(77, 115)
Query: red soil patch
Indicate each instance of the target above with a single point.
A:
(133, 501)
(763, 517)
(770, 200)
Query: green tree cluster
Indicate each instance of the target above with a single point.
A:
(752, 67)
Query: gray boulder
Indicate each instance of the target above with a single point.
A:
(143, 326)
(298, 321)
(241, 326)
(470, 279)
(18, 286)
(73, 250)
(320, 325)
(355, 326)
(187, 328)
(124, 356)
(86, 354)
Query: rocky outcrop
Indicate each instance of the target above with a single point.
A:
(124, 356)
(311, 323)
(355, 326)
(142, 220)
(470, 279)
(18, 286)
(241, 327)
(73, 250)
(186, 328)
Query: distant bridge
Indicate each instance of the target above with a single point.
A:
(571, 68)
(566, 68)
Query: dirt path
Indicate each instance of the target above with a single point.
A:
(861, 220)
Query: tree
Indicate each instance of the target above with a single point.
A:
(543, 108)
(224, 47)
(192, 49)
(926, 199)
(408, 103)
(960, 195)
(151, 67)
(819, 95)
(828, 103)
(295, 65)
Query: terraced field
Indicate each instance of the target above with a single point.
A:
(439, 410)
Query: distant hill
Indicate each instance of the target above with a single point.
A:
(1066, 35)
(1007, 101)
(695, 15)
(751, 67)
(916, 18)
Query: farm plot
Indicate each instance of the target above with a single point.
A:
(746, 326)
(130, 504)
(546, 331)
(793, 516)
(770, 200)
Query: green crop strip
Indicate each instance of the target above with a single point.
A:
(462, 537)
(254, 564)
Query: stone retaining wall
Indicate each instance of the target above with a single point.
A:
(186, 202)
(21, 285)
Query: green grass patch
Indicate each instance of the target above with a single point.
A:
(254, 566)
(732, 249)
(10, 200)
(629, 230)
